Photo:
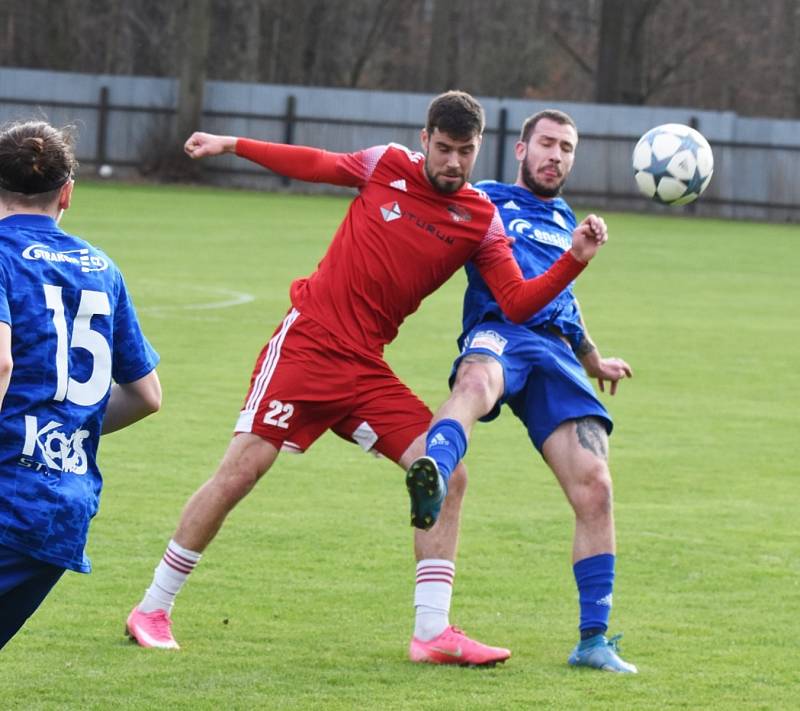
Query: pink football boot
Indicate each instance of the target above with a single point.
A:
(151, 629)
(454, 647)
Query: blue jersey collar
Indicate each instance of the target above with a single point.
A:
(28, 220)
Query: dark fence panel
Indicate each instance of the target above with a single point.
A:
(123, 120)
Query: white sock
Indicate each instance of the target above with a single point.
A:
(432, 597)
(170, 575)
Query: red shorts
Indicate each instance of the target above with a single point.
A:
(306, 382)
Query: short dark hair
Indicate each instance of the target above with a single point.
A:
(36, 159)
(553, 114)
(457, 114)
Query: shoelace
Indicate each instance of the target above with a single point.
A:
(614, 642)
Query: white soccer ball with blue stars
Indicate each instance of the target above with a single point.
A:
(673, 164)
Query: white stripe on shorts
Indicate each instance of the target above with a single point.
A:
(267, 369)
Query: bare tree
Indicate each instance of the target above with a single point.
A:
(162, 150)
(252, 11)
(442, 71)
(193, 65)
(618, 77)
(791, 47)
(715, 54)
(506, 52)
(383, 16)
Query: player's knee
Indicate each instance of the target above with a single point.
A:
(234, 484)
(600, 493)
(476, 387)
(596, 491)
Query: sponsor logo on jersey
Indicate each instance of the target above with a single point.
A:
(400, 184)
(430, 228)
(459, 214)
(391, 211)
(511, 205)
(490, 341)
(77, 257)
(526, 229)
(59, 450)
(519, 226)
(558, 218)
(556, 239)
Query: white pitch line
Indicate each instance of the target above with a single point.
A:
(235, 298)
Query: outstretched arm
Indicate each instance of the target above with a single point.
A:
(130, 402)
(521, 298)
(297, 162)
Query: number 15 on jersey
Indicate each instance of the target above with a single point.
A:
(92, 303)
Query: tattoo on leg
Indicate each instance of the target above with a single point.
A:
(592, 436)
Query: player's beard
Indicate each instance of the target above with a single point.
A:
(445, 187)
(536, 187)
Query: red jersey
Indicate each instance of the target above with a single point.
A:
(400, 240)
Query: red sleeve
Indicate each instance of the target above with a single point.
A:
(302, 162)
(521, 298)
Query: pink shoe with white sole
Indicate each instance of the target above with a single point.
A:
(151, 629)
(454, 647)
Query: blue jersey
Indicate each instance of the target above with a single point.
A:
(73, 329)
(543, 232)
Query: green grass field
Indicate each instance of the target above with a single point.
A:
(304, 600)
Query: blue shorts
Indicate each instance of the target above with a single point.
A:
(545, 384)
(24, 584)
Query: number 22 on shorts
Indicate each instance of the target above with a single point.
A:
(279, 414)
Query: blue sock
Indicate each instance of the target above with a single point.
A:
(595, 579)
(446, 444)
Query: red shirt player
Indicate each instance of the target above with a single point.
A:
(414, 222)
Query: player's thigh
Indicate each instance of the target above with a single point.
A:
(556, 391)
(301, 384)
(387, 417)
(577, 452)
(502, 353)
(479, 376)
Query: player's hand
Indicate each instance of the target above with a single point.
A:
(610, 370)
(588, 237)
(201, 145)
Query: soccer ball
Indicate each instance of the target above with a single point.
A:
(672, 164)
